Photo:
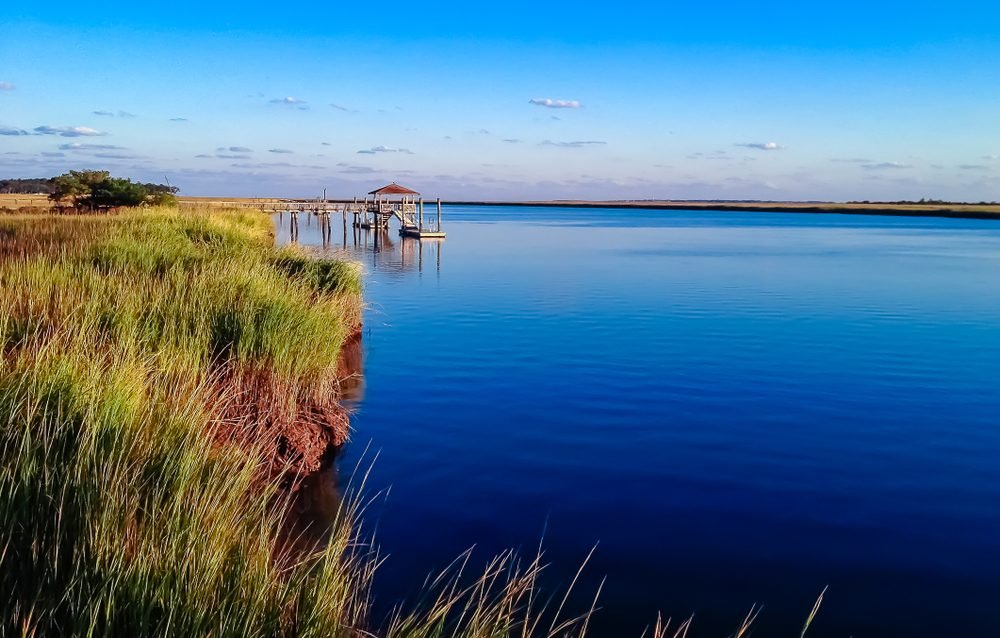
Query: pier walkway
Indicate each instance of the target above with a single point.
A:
(374, 212)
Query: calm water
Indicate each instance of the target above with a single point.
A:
(736, 408)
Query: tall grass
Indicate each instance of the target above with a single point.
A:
(130, 347)
(161, 374)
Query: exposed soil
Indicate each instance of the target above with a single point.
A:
(294, 428)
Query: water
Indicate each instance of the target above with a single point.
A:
(735, 408)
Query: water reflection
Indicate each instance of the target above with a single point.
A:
(378, 249)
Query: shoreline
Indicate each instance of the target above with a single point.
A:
(10, 203)
(962, 211)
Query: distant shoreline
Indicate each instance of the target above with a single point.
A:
(957, 211)
(954, 211)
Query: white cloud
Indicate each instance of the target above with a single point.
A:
(6, 86)
(121, 114)
(179, 119)
(512, 140)
(576, 144)
(549, 103)
(235, 149)
(287, 100)
(280, 150)
(973, 167)
(884, 166)
(77, 146)
(68, 131)
(384, 149)
(762, 146)
(7, 130)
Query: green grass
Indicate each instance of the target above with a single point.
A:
(129, 344)
(150, 360)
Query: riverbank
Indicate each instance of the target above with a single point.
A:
(162, 374)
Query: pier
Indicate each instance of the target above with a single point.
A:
(374, 212)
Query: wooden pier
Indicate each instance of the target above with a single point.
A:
(375, 212)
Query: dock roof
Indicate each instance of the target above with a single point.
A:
(393, 189)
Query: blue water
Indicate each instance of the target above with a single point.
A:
(736, 408)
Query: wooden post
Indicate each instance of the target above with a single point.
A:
(421, 208)
(420, 225)
(439, 214)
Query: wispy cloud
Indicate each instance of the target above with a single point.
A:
(384, 149)
(77, 146)
(232, 156)
(341, 107)
(993, 156)
(512, 140)
(121, 114)
(117, 156)
(973, 167)
(7, 86)
(179, 119)
(762, 146)
(885, 166)
(263, 165)
(235, 149)
(7, 130)
(68, 131)
(576, 144)
(851, 160)
(714, 155)
(281, 150)
(549, 103)
(355, 169)
(295, 102)
(53, 154)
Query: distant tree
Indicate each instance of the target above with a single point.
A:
(116, 191)
(161, 194)
(75, 186)
(97, 189)
(26, 186)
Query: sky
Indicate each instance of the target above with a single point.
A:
(511, 100)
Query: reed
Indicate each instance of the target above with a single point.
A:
(129, 345)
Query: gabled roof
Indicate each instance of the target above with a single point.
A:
(393, 189)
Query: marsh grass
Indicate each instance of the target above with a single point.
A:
(129, 344)
(149, 361)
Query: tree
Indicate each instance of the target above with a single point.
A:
(116, 191)
(97, 189)
(76, 186)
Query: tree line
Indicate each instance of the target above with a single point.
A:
(94, 190)
(29, 186)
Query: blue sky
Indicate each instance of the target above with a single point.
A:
(513, 100)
